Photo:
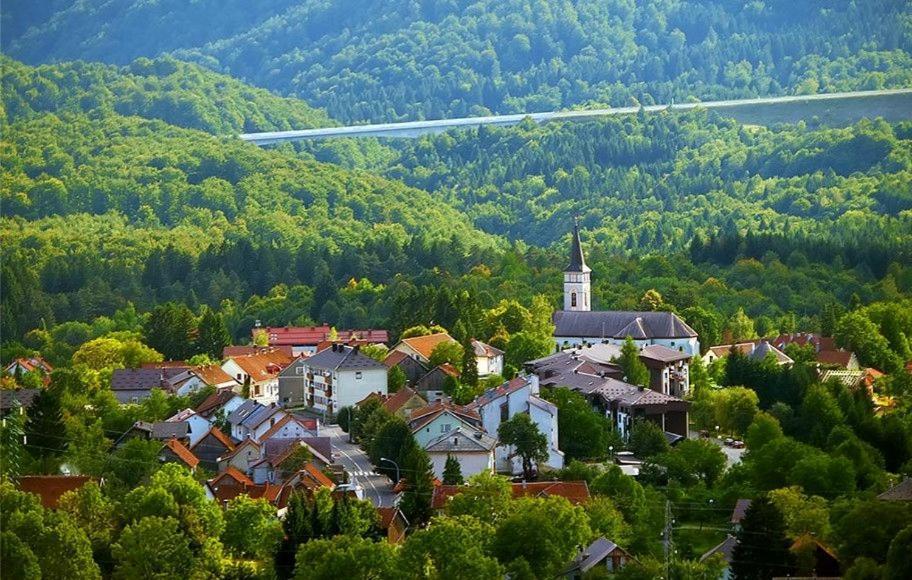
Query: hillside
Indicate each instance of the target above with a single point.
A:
(180, 93)
(393, 60)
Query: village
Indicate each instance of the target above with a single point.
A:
(294, 410)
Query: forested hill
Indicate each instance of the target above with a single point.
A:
(654, 181)
(180, 93)
(395, 59)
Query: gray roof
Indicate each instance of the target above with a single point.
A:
(594, 554)
(461, 439)
(342, 357)
(242, 412)
(661, 353)
(260, 414)
(138, 379)
(577, 260)
(615, 390)
(164, 429)
(726, 548)
(900, 492)
(276, 447)
(25, 397)
(764, 348)
(620, 324)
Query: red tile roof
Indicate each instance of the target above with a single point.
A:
(51, 487)
(233, 473)
(182, 453)
(576, 492)
(214, 402)
(318, 476)
(265, 365)
(425, 345)
(33, 363)
(232, 351)
(398, 399)
(424, 415)
(213, 375)
(314, 335)
(394, 358)
(835, 357)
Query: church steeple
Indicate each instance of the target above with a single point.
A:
(576, 276)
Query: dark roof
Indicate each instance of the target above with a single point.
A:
(900, 492)
(577, 260)
(495, 393)
(25, 397)
(51, 487)
(136, 379)
(164, 429)
(740, 510)
(594, 554)
(214, 402)
(576, 492)
(462, 440)
(620, 324)
(662, 353)
(485, 350)
(342, 357)
(726, 548)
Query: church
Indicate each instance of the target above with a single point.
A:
(578, 325)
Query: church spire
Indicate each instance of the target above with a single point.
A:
(577, 260)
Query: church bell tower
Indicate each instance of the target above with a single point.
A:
(577, 295)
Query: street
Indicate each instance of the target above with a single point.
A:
(377, 488)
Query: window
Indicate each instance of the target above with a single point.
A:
(504, 412)
(445, 428)
(358, 375)
(299, 371)
(573, 300)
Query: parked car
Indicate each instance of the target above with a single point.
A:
(738, 444)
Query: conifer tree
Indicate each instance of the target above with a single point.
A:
(763, 547)
(419, 476)
(635, 372)
(212, 336)
(469, 374)
(452, 472)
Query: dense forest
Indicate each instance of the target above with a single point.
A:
(385, 61)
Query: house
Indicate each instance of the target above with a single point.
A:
(427, 423)
(411, 367)
(288, 427)
(472, 448)
(11, 398)
(727, 550)
(252, 419)
(235, 350)
(305, 339)
(576, 492)
(220, 403)
(393, 524)
(490, 360)
(244, 454)
(421, 347)
(521, 395)
(669, 369)
(618, 400)
(902, 491)
(578, 325)
(337, 377)
(260, 372)
(201, 376)
(602, 553)
(176, 452)
(50, 488)
(211, 447)
(270, 467)
(432, 386)
(756, 350)
(158, 431)
(30, 364)
(814, 558)
(401, 403)
(827, 352)
(134, 385)
(197, 425)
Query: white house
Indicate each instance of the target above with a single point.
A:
(198, 425)
(335, 377)
(443, 429)
(260, 371)
(504, 402)
(490, 360)
(253, 420)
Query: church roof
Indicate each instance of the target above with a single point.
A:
(621, 324)
(577, 260)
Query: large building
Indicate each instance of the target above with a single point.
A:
(578, 325)
(336, 377)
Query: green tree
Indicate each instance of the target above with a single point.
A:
(606, 520)
(133, 462)
(12, 448)
(898, 565)
(763, 548)
(525, 346)
(153, 547)
(487, 497)
(94, 513)
(736, 408)
(763, 429)
(170, 329)
(626, 492)
(469, 365)
(694, 460)
(867, 527)
(647, 439)
(858, 333)
(345, 557)
(419, 476)
(394, 441)
(803, 514)
(251, 528)
(43, 430)
(543, 532)
(635, 372)
(446, 352)
(212, 334)
(452, 472)
(395, 379)
(530, 444)
(451, 547)
(741, 327)
(582, 432)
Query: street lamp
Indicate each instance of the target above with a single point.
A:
(382, 459)
(611, 452)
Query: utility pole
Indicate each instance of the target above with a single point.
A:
(666, 537)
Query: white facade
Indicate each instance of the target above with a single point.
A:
(488, 366)
(333, 390)
(689, 345)
(443, 423)
(525, 399)
(470, 462)
(264, 392)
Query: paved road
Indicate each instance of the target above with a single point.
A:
(892, 104)
(377, 488)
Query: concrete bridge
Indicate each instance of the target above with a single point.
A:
(829, 109)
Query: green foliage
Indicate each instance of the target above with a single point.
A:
(419, 488)
(212, 334)
(452, 472)
(487, 497)
(12, 448)
(582, 432)
(763, 549)
(692, 461)
(170, 329)
(763, 429)
(898, 565)
(647, 439)
(345, 557)
(395, 379)
(469, 366)
(867, 527)
(635, 372)
(451, 547)
(153, 547)
(446, 352)
(624, 490)
(251, 528)
(803, 514)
